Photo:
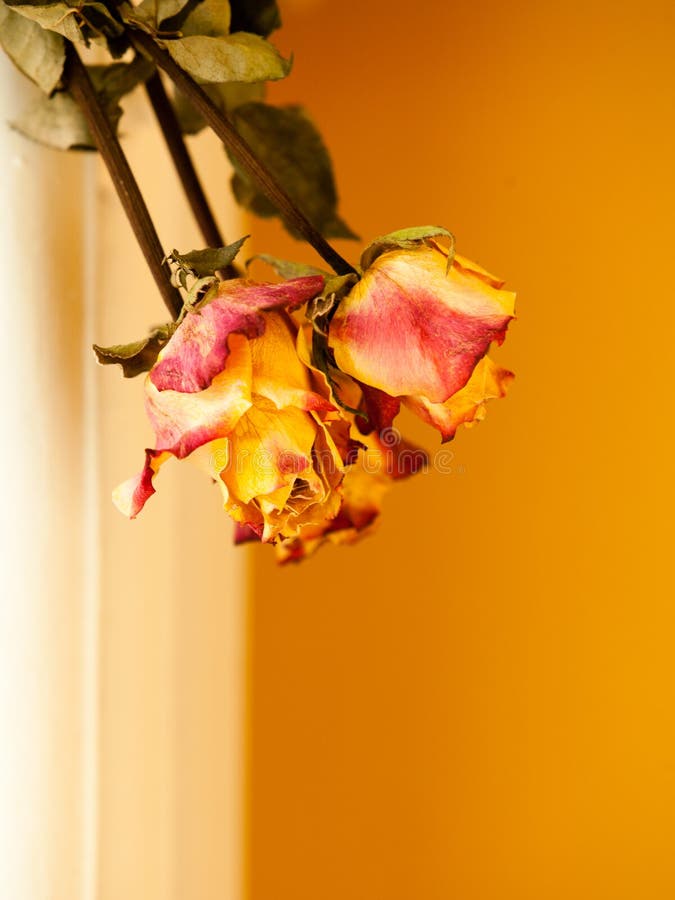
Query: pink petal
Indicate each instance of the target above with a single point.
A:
(199, 347)
(244, 534)
(131, 496)
(410, 328)
(184, 421)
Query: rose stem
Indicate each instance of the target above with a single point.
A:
(182, 161)
(81, 88)
(240, 148)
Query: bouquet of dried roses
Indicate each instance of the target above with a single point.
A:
(285, 392)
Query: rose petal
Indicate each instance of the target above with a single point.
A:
(198, 349)
(409, 328)
(131, 496)
(364, 486)
(488, 382)
(183, 422)
(270, 447)
(278, 373)
(244, 534)
(380, 408)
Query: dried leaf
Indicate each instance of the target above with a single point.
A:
(57, 17)
(257, 16)
(115, 80)
(319, 312)
(210, 18)
(58, 122)
(87, 22)
(156, 11)
(320, 309)
(405, 239)
(285, 268)
(203, 263)
(226, 97)
(138, 357)
(39, 54)
(158, 15)
(237, 57)
(289, 145)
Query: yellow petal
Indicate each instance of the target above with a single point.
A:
(278, 372)
(270, 447)
(488, 382)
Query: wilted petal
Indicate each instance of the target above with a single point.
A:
(488, 382)
(271, 494)
(408, 327)
(348, 391)
(363, 487)
(184, 421)
(131, 496)
(244, 534)
(270, 448)
(278, 373)
(380, 408)
(213, 457)
(199, 348)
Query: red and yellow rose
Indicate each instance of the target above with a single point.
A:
(303, 455)
(229, 392)
(416, 329)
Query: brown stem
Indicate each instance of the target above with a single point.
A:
(185, 167)
(183, 162)
(240, 148)
(80, 86)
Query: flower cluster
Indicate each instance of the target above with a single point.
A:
(292, 414)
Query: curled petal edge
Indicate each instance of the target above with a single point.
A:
(131, 496)
(467, 407)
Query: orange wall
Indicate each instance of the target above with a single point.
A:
(478, 702)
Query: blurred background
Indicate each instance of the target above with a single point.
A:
(479, 702)
(476, 703)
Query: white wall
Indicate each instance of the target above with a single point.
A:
(121, 643)
(43, 517)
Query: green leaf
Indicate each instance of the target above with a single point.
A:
(226, 97)
(256, 16)
(289, 145)
(405, 239)
(87, 22)
(203, 263)
(285, 268)
(237, 57)
(58, 122)
(37, 53)
(138, 357)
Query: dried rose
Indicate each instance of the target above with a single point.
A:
(230, 392)
(416, 329)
